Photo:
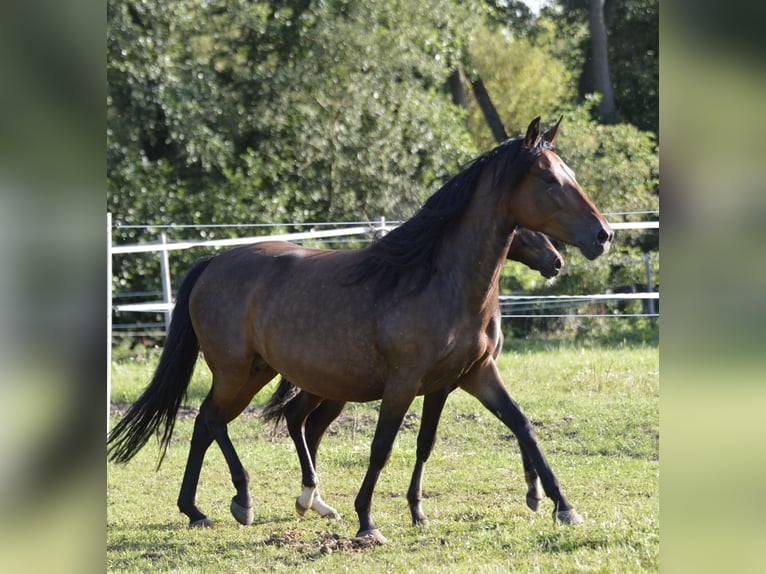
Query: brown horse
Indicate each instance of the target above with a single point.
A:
(406, 316)
(308, 417)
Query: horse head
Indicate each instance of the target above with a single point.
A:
(549, 199)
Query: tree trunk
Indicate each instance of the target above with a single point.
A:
(489, 111)
(456, 83)
(602, 82)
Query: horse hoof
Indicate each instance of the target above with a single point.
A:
(374, 533)
(322, 509)
(418, 518)
(567, 517)
(298, 508)
(202, 523)
(243, 515)
(331, 514)
(533, 502)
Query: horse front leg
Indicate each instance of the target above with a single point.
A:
(485, 384)
(433, 404)
(396, 400)
(534, 487)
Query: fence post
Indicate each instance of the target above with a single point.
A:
(167, 288)
(379, 227)
(108, 317)
(649, 286)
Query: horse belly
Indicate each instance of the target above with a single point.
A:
(331, 364)
(323, 344)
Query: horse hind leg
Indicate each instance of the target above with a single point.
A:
(224, 403)
(208, 427)
(258, 376)
(201, 440)
(306, 430)
(316, 425)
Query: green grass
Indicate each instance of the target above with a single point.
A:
(596, 412)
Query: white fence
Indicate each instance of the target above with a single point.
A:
(508, 302)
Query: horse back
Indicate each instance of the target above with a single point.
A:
(294, 308)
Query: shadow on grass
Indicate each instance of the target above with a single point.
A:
(565, 542)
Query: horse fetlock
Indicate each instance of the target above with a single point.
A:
(534, 494)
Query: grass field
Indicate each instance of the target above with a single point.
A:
(596, 412)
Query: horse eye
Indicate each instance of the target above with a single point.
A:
(550, 179)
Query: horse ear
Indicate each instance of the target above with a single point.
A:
(552, 133)
(533, 133)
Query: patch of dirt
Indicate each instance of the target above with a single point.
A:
(325, 543)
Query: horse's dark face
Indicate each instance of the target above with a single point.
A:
(536, 251)
(550, 200)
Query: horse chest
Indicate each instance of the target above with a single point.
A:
(460, 353)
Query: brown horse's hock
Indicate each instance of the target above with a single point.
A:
(410, 315)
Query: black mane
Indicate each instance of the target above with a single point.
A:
(409, 252)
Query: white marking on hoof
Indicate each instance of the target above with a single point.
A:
(243, 515)
(305, 500)
(376, 535)
(203, 523)
(569, 517)
(322, 509)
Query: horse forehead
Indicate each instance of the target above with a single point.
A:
(550, 160)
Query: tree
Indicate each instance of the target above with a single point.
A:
(616, 164)
(599, 61)
(523, 80)
(632, 41)
(227, 112)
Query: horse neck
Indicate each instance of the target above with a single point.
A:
(475, 253)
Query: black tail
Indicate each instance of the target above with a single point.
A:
(274, 411)
(163, 396)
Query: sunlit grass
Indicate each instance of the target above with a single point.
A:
(596, 413)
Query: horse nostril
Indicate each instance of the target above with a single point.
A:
(604, 236)
(558, 264)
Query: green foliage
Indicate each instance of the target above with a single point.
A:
(227, 113)
(633, 40)
(534, 73)
(524, 80)
(616, 165)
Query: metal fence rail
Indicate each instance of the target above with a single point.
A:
(342, 229)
